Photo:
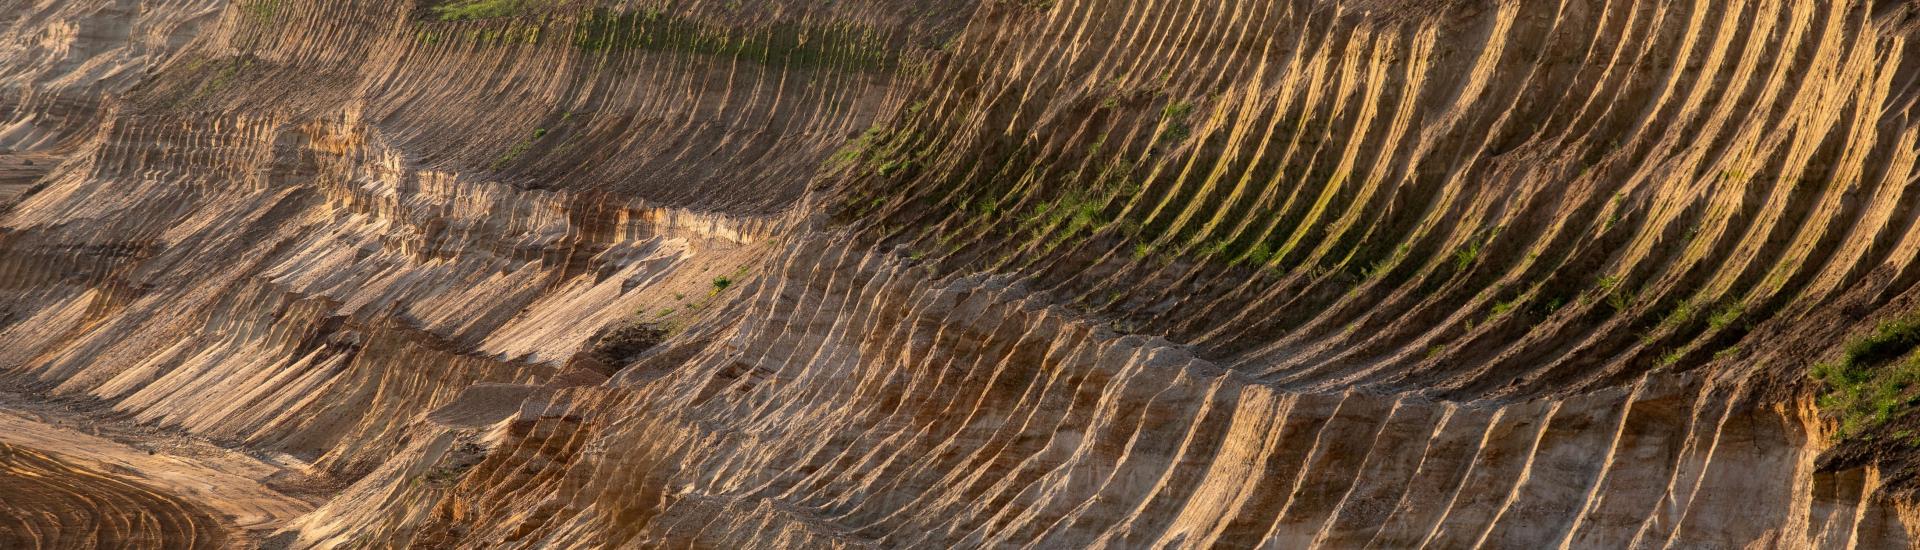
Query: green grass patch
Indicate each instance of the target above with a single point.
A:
(1380, 267)
(856, 151)
(1875, 378)
(1502, 309)
(1679, 316)
(893, 166)
(1466, 255)
(1067, 216)
(1175, 114)
(518, 150)
(1725, 316)
(1142, 250)
(1259, 254)
(1177, 110)
(1675, 319)
(986, 207)
(1620, 299)
(224, 77)
(1671, 358)
(880, 150)
(1080, 211)
(1616, 206)
(1553, 305)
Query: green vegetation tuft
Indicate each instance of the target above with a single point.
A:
(1671, 358)
(1502, 309)
(1260, 254)
(893, 166)
(1175, 115)
(1619, 299)
(1067, 216)
(519, 149)
(1615, 205)
(228, 73)
(1862, 388)
(1177, 110)
(879, 150)
(1679, 317)
(1142, 250)
(1725, 316)
(1380, 267)
(858, 149)
(986, 207)
(1215, 249)
(1466, 255)
(1554, 304)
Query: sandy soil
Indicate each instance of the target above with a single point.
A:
(251, 495)
(53, 503)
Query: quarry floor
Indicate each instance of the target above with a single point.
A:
(76, 472)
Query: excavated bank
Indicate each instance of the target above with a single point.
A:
(1049, 432)
(1046, 274)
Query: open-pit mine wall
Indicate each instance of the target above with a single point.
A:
(993, 273)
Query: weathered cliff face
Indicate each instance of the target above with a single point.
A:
(1053, 274)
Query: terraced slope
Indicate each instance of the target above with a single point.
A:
(1048, 274)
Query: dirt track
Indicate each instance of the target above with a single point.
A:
(52, 503)
(80, 478)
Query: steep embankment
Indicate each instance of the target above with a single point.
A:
(1116, 273)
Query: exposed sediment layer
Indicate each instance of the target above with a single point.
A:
(992, 417)
(1085, 273)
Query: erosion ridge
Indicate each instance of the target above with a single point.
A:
(929, 273)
